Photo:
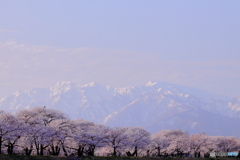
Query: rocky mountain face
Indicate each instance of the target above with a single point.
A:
(154, 106)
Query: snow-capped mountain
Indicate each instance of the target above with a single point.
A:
(154, 106)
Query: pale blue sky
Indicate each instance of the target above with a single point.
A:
(120, 43)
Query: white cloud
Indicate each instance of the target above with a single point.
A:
(25, 66)
(8, 31)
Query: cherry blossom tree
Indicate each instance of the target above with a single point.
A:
(27, 116)
(177, 141)
(138, 139)
(227, 144)
(159, 143)
(39, 120)
(62, 131)
(42, 138)
(79, 139)
(13, 137)
(117, 139)
(96, 136)
(47, 130)
(210, 145)
(46, 116)
(10, 131)
(26, 141)
(197, 144)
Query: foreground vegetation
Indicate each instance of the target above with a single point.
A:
(41, 131)
(21, 157)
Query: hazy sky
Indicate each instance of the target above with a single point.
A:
(120, 43)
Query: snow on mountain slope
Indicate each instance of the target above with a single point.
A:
(173, 112)
(153, 105)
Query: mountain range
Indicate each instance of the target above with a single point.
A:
(155, 106)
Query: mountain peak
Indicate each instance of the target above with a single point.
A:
(150, 83)
(95, 86)
(62, 86)
(17, 93)
(153, 105)
(92, 84)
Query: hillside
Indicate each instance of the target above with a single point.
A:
(154, 106)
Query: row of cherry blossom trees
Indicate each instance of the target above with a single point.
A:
(46, 131)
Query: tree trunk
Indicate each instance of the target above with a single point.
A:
(54, 150)
(37, 147)
(28, 151)
(135, 151)
(148, 153)
(10, 148)
(128, 154)
(159, 153)
(65, 151)
(114, 151)
(41, 150)
(80, 151)
(90, 150)
(0, 145)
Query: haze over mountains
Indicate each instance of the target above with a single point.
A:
(154, 106)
